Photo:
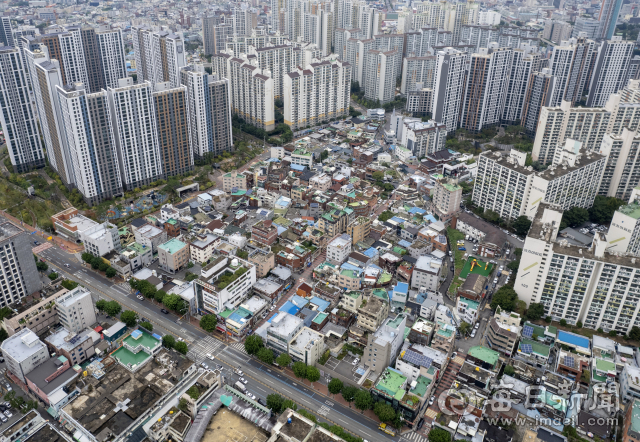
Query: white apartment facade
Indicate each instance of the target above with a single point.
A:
(505, 185)
(578, 284)
(339, 249)
(75, 310)
(449, 86)
(134, 126)
(613, 58)
(381, 69)
(318, 93)
(423, 138)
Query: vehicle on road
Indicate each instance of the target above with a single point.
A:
(244, 381)
(67, 265)
(166, 312)
(210, 356)
(3, 418)
(7, 386)
(203, 365)
(240, 386)
(385, 428)
(140, 297)
(252, 396)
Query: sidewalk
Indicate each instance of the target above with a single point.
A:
(68, 246)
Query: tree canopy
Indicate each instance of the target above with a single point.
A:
(535, 311)
(181, 347)
(363, 400)
(253, 344)
(603, 209)
(505, 298)
(208, 323)
(439, 435)
(129, 318)
(574, 217)
(522, 225)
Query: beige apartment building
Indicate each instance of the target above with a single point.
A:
(233, 179)
(446, 199)
(173, 255)
(264, 262)
(36, 318)
(359, 229)
(372, 313)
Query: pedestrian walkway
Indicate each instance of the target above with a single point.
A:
(202, 347)
(415, 437)
(240, 347)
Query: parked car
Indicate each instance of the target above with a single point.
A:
(203, 365)
(7, 386)
(3, 418)
(244, 381)
(140, 297)
(461, 248)
(252, 396)
(164, 311)
(7, 413)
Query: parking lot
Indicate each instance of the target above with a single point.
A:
(7, 421)
(346, 368)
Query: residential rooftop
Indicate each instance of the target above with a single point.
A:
(172, 246)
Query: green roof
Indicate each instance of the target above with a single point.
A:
(137, 247)
(485, 354)
(391, 382)
(354, 295)
(445, 333)
(632, 210)
(399, 250)
(350, 273)
(552, 329)
(471, 304)
(380, 293)
(320, 317)
(421, 387)
(451, 187)
(226, 313)
(384, 278)
(301, 152)
(537, 330)
(605, 366)
(536, 346)
(172, 246)
(635, 416)
(395, 322)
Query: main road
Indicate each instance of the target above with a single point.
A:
(264, 380)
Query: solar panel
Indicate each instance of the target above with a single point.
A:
(526, 348)
(569, 362)
(417, 359)
(527, 331)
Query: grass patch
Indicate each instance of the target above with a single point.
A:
(19, 205)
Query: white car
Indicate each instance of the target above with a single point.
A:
(244, 381)
(7, 413)
(140, 297)
(355, 361)
(252, 396)
(210, 356)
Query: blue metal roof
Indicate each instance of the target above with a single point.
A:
(417, 210)
(289, 307)
(321, 303)
(370, 252)
(404, 243)
(401, 287)
(297, 167)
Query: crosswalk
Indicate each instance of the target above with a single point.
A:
(240, 347)
(200, 348)
(415, 437)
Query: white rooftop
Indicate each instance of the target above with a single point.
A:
(22, 345)
(149, 231)
(254, 304)
(284, 324)
(81, 222)
(71, 297)
(304, 337)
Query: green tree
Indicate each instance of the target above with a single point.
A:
(363, 400)
(103, 266)
(300, 369)
(613, 333)
(574, 217)
(349, 393)
(439, 435)
(181, 347)
(3, 334)
(535, 311)
(579, 324)
(112, 308)
(603, 209)
(522, 225)
(253, 344)
(378, 175)
(159, 295)
(509, 370)
(208, 323)
(274, 402)
(265, 355)
(168, 341)
(242, 254)
(53, 275)
(635, 333)
(563, 322)
(42, 266)
(505, 298)
(513, 265)
(384, 411)
(68, 284)
(183, 405)
(335, 386)
(547, 319)
(87, 257)
(101, 304)
(172, 302)
(147, 325)
(465, 327)
(313, 374)
(111, 272)
(384, 216)
(288, 403)
(129, 318)
(283, 360)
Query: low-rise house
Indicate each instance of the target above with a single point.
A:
(473, 287)
(444, 338)
(263, 260)
(534, 352)
(339, 249)
(484, 357)
(467, 309)
(372, 312)
(426, 273)
(75, 347)
(307, 346)
(281, 330)
(421, 332)
(392, 387)
(39, 317)
(150, 236)
(202, 247)
(50, 382)
(418, 360)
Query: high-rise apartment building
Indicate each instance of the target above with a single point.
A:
(556, 31)
(244, 20)
(111, 51)
(418, 71)
(539, 94)
(6, 35)
(590, 285)
(278, 8)
(45, 77)
(356, 52)
(318, 93)
(159, 55)
(588, 125)
(276, 59)
(570, 62)
(91, 145)
(484, 95)
(608, 17)
(505, 185)
(17, 116)
(423, 138)
(17, 267)
(134, 127)
(611, 63)
(419, 42)
(208, 34)
(622, 172)
(380, 75)
(523, 65)
(252, 89)
(172, 117)
(449, 87)
(209, 111)
(93, 63)
(589, 26)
